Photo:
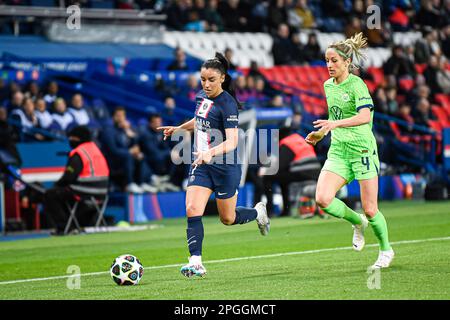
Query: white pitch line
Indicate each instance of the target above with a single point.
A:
(227, 260)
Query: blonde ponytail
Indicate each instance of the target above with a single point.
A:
(351, 48)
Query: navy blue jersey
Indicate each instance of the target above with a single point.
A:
(212, 117)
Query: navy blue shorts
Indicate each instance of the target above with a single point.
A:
(223, 179)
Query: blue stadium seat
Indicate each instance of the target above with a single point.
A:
(100, 4)
(43, 3)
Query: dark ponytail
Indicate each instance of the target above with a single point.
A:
(221, 63)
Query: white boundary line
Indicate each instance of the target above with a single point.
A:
(227, 260)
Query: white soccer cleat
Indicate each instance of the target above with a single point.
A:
(193, 268)
(148, 188)
(384, 259)
(358, 233)
(134, 188)
(262, 219)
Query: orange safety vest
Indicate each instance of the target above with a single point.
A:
(299, 147)
(94, 176)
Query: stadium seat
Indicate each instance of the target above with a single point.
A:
(377, 74)
(102, 4)
(97, 203)
(42, 3)
(441, 115)
(420, 68)
(406, 84)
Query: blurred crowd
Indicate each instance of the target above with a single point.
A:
(139, 159)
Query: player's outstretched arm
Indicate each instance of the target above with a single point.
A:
(169, 130)
(315, 136)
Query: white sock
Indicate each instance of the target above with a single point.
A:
(195, 260)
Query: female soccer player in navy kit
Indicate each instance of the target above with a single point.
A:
(211, 171)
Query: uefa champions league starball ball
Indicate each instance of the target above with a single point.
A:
(126, 270)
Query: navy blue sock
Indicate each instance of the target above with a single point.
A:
(245, 215)
(194, 233)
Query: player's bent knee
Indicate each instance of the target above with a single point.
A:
(192, 209)
(323, 201)
(228, 221)
(370, 210)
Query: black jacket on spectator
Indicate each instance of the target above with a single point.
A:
(399, 66)
(283, 51)
(155, 149)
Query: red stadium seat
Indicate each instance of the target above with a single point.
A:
(398, 134)
(441, 115)
(371, 85)
(443, 100)
(420, 68)
(406, 84)
(377, 74)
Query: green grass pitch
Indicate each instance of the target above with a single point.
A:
(299, 259)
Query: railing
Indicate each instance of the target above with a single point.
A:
(86, 13)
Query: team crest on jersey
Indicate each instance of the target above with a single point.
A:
(204, 108)
(336, 112)
(346, 97)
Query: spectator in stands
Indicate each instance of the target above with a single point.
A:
(180, 60)
(33, 91)
(121, 146)
(443, 77)
(421, 91)
(276, 102)
(379, 37)
(234, 14)
(168, 112)
(398, 65)
(213, 18)
(27, 120)
(298, 49)
(78, 111)
(445, 38)
(16, 102)
(195, 23)
(404, 113)
(62, 119)
(422, 113)
(45, 119)
(400, 16)
(240, 84)
(426, 46)
(277, 15)
(334, 8)
(52, 93)
(430, 14)
(297, 161)
(380, 100)
(260, 88)
(229, 55)
(431, 75)
(283, 48)
(8, 139)
(85, 161)
(193, 87)
(392, 104)
(312, 51)
(176, 14)
(353, 27)
(254, 70)
(157, 154)
(305, 14)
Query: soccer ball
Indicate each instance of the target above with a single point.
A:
(126, 270)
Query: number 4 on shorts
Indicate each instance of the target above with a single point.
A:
(365, 162)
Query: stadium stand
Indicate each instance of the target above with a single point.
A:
(133, 72)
